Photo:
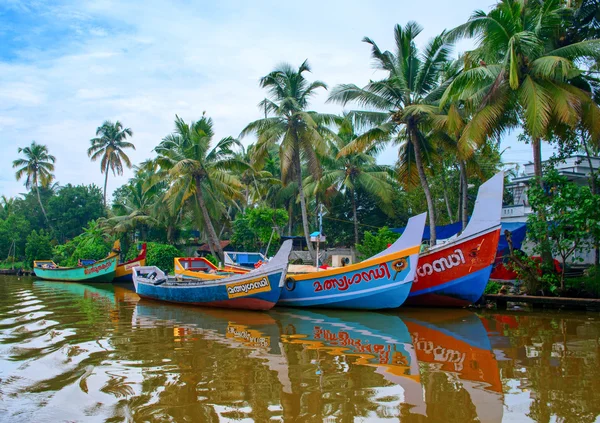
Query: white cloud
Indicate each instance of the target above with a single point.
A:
(142, 64)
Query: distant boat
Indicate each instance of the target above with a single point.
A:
(456, 272)
(255, 290)
(199, 267)
(124, 272)
(100, 271)
(383, 281)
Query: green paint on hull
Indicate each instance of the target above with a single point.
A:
(102, 271)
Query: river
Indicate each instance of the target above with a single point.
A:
(97, 353)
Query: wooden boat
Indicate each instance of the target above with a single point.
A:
(124, 273)
(455, 345)
(456, 272)
(256, 290)
(99, 271)
(198, 267)
(383, 281)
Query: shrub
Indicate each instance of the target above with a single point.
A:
(159, 255)
(375, 243)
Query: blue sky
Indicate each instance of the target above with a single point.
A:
(66, 66)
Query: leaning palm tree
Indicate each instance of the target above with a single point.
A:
(523, 64)
(109, 144)
(297, 132)
(37, 166)
(347, 171)
(412, 80)
(197, 170)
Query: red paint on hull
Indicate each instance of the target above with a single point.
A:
(235, 303)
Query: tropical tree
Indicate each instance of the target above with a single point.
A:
(524, 64)
(400, 102)
(297, 132)
(109, 145)
(195, 169)
(37, 167)
(345, 170)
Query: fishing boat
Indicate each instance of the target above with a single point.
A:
(198, 267)
(456, 272)
(99, 271)
(383, 281)
(256, 290)
(124, 273)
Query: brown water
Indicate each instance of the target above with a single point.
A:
(79, 353)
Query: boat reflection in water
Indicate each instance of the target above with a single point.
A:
(420, 366)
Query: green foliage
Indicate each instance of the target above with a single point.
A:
(38, 247)
(159, 255)
(72, 208)
(573, 213)
(252, 231)
(13, 229)
(492, 287)
(212, 259)
(375, 243)
(91, 244)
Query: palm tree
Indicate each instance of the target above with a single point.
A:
(197, 170)
(347, 170)
(522, 65)
(109, 144)
(38, 166)
(297, 132)
(403, 97)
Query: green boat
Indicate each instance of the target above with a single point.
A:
(100, 271)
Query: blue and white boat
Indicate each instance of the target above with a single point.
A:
(255, 290)
(383, 281)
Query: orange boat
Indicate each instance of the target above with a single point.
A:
(123, 273)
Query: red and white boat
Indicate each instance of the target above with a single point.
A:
(455, 272)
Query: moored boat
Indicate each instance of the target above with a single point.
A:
(124, 272)
(99, 271)
(256, 290)
(199, 267)
(455, 273)
(383, 281)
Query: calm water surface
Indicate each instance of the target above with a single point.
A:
(79, 353)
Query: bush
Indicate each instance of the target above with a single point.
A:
(38, 247)
(159, 255)
(375, 243)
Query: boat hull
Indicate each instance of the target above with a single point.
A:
(261, 293)
(456, 275)
(102, 271)
(381, 282)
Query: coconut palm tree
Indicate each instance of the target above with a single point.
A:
(297, 132)
(346, 170)
(109, 145)
(197, 170)
(37, 166)
(412, 79)
(522, 65)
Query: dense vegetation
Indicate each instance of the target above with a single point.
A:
(533, 69)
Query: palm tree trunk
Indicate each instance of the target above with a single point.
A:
(213, 240)
(464, 193)
(105, 182)
(537, 170)
(594, 191)
(355, 217)
(37, 190)
(290, 211)
(446, 199)
(423, 178)
(303, 202)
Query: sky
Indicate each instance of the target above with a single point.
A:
(67, 66)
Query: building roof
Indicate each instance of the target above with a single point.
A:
(206, 248)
